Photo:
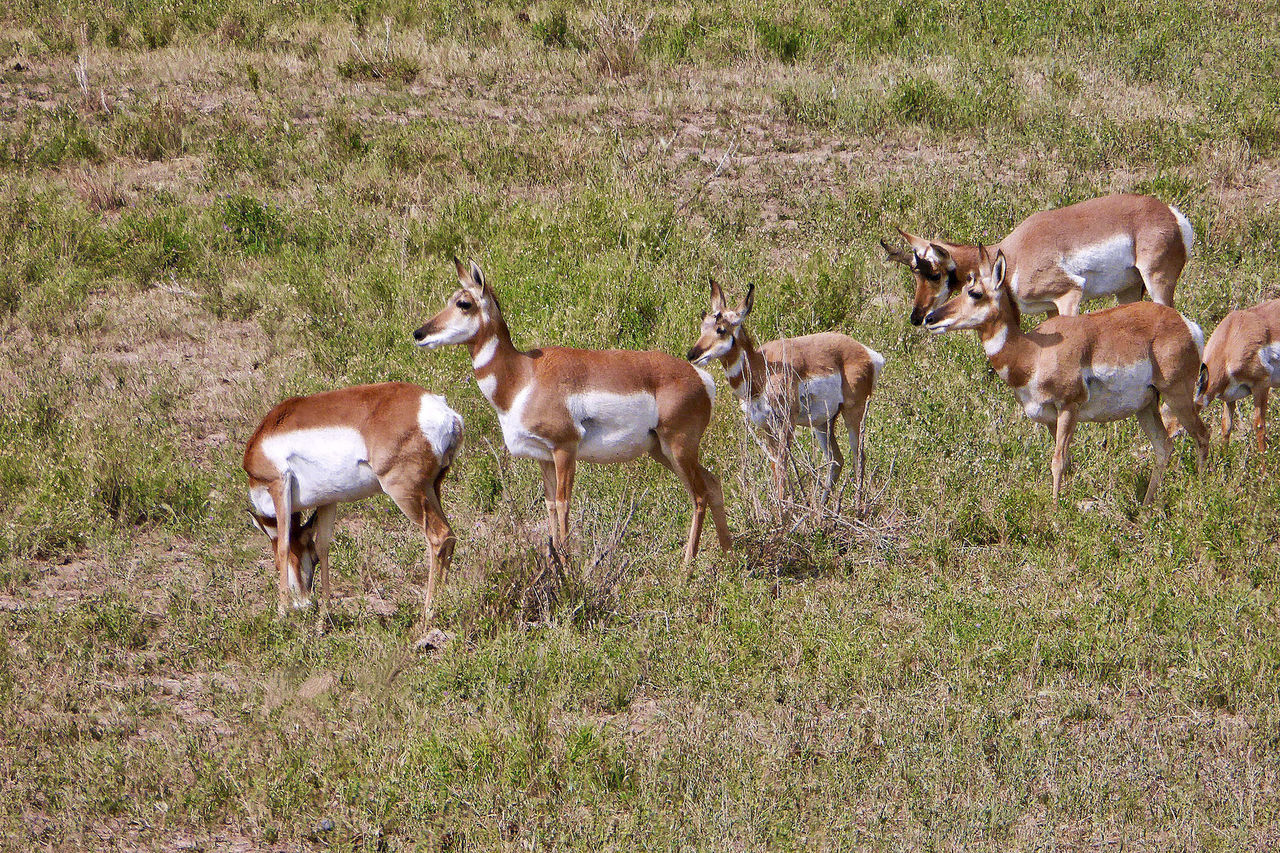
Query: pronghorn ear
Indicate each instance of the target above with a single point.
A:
(919, 245)
(717, 297)
(462, 271)
(477, 276)
(998, 270)
(944, 257)
(902, 256)
(748, 302)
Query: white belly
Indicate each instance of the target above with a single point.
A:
(820, 399)
(613, 427)
(1102, 268)
(329, 464)
(1116, 391)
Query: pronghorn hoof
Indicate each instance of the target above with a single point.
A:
(433, 640)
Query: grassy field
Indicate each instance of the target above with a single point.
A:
(207, 206)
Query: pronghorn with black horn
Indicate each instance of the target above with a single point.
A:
(561, 406)
(1114, 245)
(812, 381)
(1241, 359)
(1103, 366)
(344, 445)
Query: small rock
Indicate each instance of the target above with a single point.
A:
(433, 640)
(170, 686)
(18, 66)
(317, 685)
(216, 438)
(325, 825)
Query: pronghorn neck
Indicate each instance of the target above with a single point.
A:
(1002, 338)
(495, 359)
(744, 366)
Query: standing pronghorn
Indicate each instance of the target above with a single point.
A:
(345, 445)
(811, 380)
(1114, 245)
(1102, 366)
(560, 405)
(1243, 358)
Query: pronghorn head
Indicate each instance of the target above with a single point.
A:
(933, 268)
(464, 313)
(720, 326)
(983, 298)
(303, 556)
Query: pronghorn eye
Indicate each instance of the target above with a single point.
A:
(975, 294)
(465, 304)
(721, 331)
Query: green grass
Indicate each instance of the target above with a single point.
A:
(258, 200)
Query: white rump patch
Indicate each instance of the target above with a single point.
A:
(1116, 391)
(820, 397)
(614, 427)
(1269, 355)
(1103, 268)
(877, 363)
(441, 426)
(1197, 335)
(329, 464)
(1184, 225)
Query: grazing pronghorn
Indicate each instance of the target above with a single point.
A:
(559, 405)
(1243, 358)
(1114, 245)
(1102, 366)
(812, 381)
(344, 445)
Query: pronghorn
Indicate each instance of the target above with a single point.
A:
(1242, 358)
(559, 405)
(1114, 245)
(1102, 366)
(811, 381)
(344, 445)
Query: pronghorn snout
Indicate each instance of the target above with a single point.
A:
(419, 333)
(917, 315)
(694, 354)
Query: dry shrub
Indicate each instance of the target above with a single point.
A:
(800, 535)
(98, 194)
(374, 61)
(615, 45)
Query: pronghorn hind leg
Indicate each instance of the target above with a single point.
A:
(1261, 393)
(835, 459)
(441, 540)
(1149, 418)
(326, 517)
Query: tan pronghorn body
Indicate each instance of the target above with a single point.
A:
(559, 406)
(810, 381)
(1241, 359)
(345, 445)
(1116, 245)
(1103, 366)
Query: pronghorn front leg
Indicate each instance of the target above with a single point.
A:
(1062, 448)
(549, 493)
(286, 578)
(566, 461)
(1228, 419)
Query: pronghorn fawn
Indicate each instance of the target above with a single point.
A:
(1114, 245)
(811, 381)
(1242, 358)
(561, 406)
(1099, 367)
(344, 445)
